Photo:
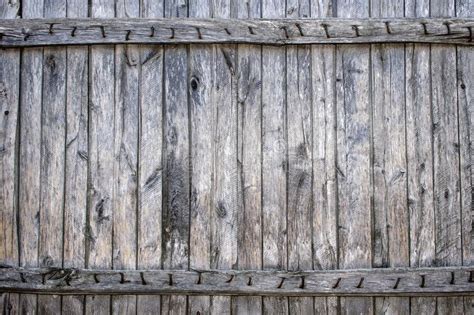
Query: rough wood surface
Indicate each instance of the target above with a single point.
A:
(274, 30)
(354, 158)
(76, 165)
(249, 157)
(274, 159)
(101, 158)
(9, 140)
(150, 157)
(391, 218)
(444, 281)
(176, 143)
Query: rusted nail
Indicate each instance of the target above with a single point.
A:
(356, 30)
(73, 33)
(337, 283)
(425, 29)
(127, 37)
(359, 286)
(199, 32)
(230, 279)
(152, 31)
(302, 284)
(325, 28)
(281, 283)
(102, 29)
(387, 27)
(142, 277)
(298, 26)
(396, 284)
(251, 30)
(227, 31)
(422, 284)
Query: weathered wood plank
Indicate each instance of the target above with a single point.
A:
(274, 158)
(125, 200)
(325, 252)
(465, 83)
(150, 167)
(101, 158)
(249, 155)
(9, 140)
(176, 191)
(77, 151)
(202, 114)
(353, 166)
(391, 218)
(225, 204)
(31, 79)
(441, 281)
(446, 155)
(299, 137)
(26, 32)
(53, 147)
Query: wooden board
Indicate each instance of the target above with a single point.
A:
(271, 31)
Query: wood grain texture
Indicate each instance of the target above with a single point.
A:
(77, 151)
(360, 282)
(101, 158)
(465, 84)
(325, 226)
(272, 31)
(446, 156)
(390, 208)
(9, 140)
(354, 155)
(29, 186)
(176, 192)
(299, 155)
(249, 156)
(125, 200)
(419, 155)
(274, 159)
(150, 165)
(201, 77)
(225, 204)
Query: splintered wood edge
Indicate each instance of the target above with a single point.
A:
(45, 32)
(443, 281)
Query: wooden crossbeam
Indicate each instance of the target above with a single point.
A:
(43, 32)
(446, 281)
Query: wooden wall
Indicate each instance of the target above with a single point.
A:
(236, 156)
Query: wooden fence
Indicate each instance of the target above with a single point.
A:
(259, 156)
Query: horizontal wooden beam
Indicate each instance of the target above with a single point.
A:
(446, 281)
(41, 32)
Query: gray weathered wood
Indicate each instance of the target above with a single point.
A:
(101, 158)
(274, 159)
(391, 218)
(9, 140)
(300, 149)
(446, 155)
(150, 166)
(125, 200)
(441, 281)
(176, 190)
(202, 123)
(419, 154)
(276, 31)
(249, 156)
(29, 174)
(53, 144)
(225, 204)
(77, 150)
(354, 176)
(325, 230)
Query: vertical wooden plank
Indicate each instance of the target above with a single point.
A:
(391, 219)
(9, 140)
(325, 221)
(224, 214)
(300, 149)
(201, 102)
(325, 251)
(77, 151)
(150, 167)
(354, 154)
(101, 157)
(446, 159)
(249, 137)
(31, 79)
(274, 158)
(419, 155)
(176, 191)
(125, 203)
(465, 84)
